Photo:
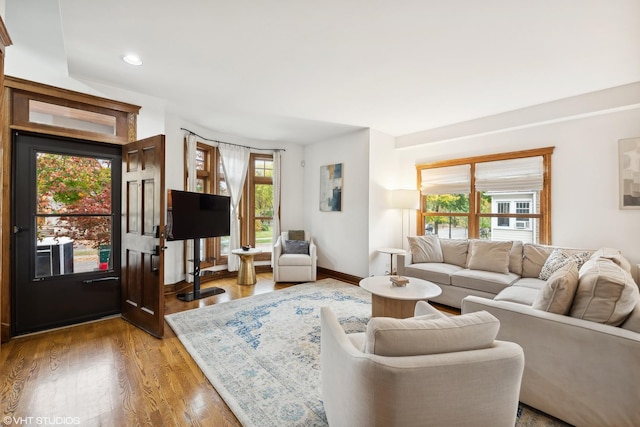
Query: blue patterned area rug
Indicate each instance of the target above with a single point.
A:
(262, 353)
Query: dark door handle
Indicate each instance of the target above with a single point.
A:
(17, 229)
(101, 279)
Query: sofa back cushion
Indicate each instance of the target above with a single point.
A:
(454, 251)
(489, 255)
(533, 258)
(296, 235)
(556, 296)
(515, 258)
(606, 293)
(386, 336)
(425, 248)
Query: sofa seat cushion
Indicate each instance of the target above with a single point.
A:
(530, 282)
(518, 294)
(481, 280)
(386, 336)
(294, 260)
(433, 271)
(606, 293)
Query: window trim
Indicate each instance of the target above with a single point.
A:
(248, 229)
(474, 215)
(212, 177)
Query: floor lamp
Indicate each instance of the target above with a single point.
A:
(405, 200)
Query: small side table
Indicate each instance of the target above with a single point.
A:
(247, 271)
(391, 252)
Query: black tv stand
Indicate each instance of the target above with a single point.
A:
(198, 293)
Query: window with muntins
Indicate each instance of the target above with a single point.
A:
(256, 205)
(210, 180)
(259, 209)
(496, 197)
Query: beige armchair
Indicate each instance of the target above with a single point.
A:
(294, 260)
(361, 386)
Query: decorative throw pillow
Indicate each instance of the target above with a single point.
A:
(454, 251)
(489, 256)
(557, 294)
(412, 337)
(614, 255)
(606, 293)
(559, 258)
(296, 234)
(296, 247)
(425, 248)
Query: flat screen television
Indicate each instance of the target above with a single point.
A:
(193, 215)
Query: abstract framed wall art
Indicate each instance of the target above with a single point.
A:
(629, 164)
(331, 188)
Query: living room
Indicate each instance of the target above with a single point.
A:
(584, 180)
(584, 127)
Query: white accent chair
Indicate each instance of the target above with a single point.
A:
(294, 267)
(478, 387)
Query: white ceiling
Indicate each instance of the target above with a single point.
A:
(301, 70)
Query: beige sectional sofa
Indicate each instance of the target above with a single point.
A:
(579, 324)
(474, 267)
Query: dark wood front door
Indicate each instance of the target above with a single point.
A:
(143, 222)
(66, 231)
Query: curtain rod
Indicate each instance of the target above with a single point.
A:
(229, 143)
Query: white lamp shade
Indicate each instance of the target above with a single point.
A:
(405, 199)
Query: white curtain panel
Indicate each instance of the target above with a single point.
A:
(275, 229)
(191, 186)
(235, 163)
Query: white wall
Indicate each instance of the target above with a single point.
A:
(385, 223)
(585, 211)
(341, 237)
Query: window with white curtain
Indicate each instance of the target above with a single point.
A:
(210, 179)
(504, 196)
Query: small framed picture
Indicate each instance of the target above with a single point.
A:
(629, 165)
(331, 188)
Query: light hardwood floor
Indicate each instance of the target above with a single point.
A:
(110, 373)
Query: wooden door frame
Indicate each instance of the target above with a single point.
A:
(5, 41)
(15, 86)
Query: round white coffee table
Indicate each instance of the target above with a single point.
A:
(397, 301)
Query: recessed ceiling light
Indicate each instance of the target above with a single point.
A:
(132, 59)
